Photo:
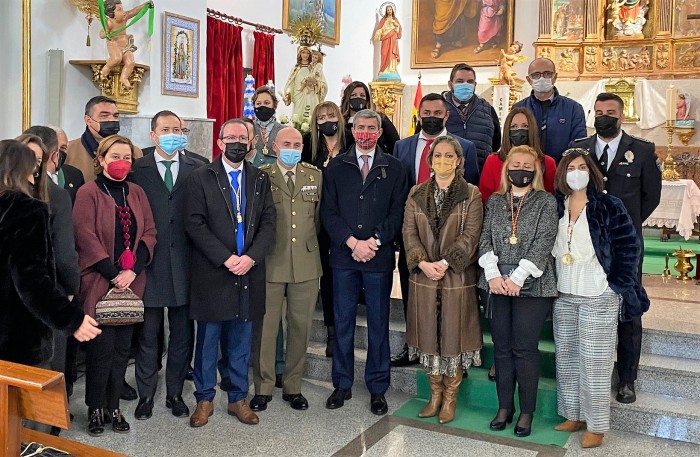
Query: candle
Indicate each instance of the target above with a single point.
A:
(671, 97)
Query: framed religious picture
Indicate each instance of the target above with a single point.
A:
(180, 56)
(447, 32)
(327, 13)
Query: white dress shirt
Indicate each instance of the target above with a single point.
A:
(361, 162)
(228, 168)
(54, 177)
(422, 140)
(612, 149)
(174, 167)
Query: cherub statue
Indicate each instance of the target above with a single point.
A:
(120, 46)
(506, 74)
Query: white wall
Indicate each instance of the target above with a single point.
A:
(11, 69)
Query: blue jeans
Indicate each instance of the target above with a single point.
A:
(238, 345)
(347, 285)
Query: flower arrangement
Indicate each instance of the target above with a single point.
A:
(300, 123)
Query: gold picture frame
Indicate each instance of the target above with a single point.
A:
(292, 10)
(459, 20)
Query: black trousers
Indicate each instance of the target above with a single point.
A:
(629, 337)
(106, 358)
(324, 245)
(515, 328)
(149, 354)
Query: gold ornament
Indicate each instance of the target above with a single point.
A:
(91, 11)
(306, 31)
(567, 259)
(513, 239)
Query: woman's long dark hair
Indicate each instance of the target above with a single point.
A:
(317, 136)
(345, 102)
(41, 185)
(532, 132)
(17, 163)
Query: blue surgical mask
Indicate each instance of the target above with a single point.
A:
(290, 157)
(170, 143)
(463, 91)
(183, 142)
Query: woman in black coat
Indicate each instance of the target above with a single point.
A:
(31, 304)
(356, 97)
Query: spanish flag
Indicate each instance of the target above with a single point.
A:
(414, 111)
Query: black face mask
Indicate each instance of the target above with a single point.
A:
(432, 125)
(236, 152)
(264, 113)
(606, 126)
(521, 178)
(358, 104)
(108, 128)
(329, 128)
(61, 159)
(519, 137)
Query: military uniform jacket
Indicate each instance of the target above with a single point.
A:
(295, 256)
(633, 175)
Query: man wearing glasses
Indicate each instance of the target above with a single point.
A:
(560, 119)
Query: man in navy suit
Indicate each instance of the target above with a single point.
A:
(412, 152)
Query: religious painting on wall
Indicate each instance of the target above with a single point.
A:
(567, 20)
(326, 12)
(180, 57)
(628, 19)
(447, 32)
(682, 26)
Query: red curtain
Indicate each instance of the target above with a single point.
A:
(263, 58)
(224, 74)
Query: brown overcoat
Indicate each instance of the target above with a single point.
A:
(454, 236)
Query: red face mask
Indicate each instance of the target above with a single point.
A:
(366, 140)
(118, 169)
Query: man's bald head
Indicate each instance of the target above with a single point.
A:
(288, 138)
(541, 64)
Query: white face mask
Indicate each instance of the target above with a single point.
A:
(577, 179)
(542, 85)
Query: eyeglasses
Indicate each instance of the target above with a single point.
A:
(539, 74)
(578, 151)
(234, 138)
(185, 131)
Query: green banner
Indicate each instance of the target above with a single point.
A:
(146, 8)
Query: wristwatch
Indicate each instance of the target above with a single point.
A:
(444, 262)
(376, 240)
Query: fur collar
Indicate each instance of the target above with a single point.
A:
(424, 197)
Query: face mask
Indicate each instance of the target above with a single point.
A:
(183, 142)
(170, 143)
(463, 91)
(358, 104)
(542, 85)
(61, 159)
(606, 126)
(366, 140)
(521, 178)
(264, 113)
(290, 157)
(432, 125)
(577, 179)
(118, 169)
(328, 128)
(108, 128)
(236, 152)
(444, 167)
(519, 137)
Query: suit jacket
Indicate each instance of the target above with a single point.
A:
(295, 256)
(405, 151)
(263, 150)
(216, 293)
(63, 238)
(79, 158)
(73, 180)
(168, 276)
(188, 153)
(636, 182)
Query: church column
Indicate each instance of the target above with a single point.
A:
(545, 18)
(595, 17)
(665, 11)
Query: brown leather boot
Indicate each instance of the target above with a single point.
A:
(436, 388)
(242, 411)
(591, 439)
(201, 415)
(449, 396)
(570, 426)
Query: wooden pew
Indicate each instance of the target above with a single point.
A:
(39, 395)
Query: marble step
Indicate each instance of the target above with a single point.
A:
(674, 344)
(678, 377)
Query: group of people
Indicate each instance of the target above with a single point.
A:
(538, 222)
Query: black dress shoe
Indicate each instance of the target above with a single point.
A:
(625, 393)
(225, 384)
(128, 392)
(401, 359)
(337, 398)
(96, 425)
(378, 404)
(119, 424)
(259, 402)
(189, 373)
(524, 430)
(499, 423)
(296, 401)
(492, 377)
(278, 380)
(177, 405)
(144, 410)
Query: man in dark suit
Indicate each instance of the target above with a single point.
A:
(630, 173)
(185, 133)
(66, 176)
(162, 175)
(412, 152)
(230, 218)
(364, 193)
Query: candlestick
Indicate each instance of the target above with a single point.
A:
(671, 97)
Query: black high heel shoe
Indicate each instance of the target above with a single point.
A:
(119, 424)
(96, 425)
(498, 425)
(522, 432)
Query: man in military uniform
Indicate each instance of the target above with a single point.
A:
(630, 173)
(293, 267)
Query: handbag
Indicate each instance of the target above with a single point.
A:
(506, 270)
(119, 307)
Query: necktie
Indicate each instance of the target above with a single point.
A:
(237, 210)
(168, 178)
(423, 168)
(603, 159)
(365, 167)
(61, 179)
(290, 182)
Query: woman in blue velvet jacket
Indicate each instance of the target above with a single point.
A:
(596, 252)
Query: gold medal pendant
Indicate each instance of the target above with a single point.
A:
(567, 259)
(265, 150)
(513, 239)
(239, 218)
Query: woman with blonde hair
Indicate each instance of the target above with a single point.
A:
(519, 230)
(441, 230)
